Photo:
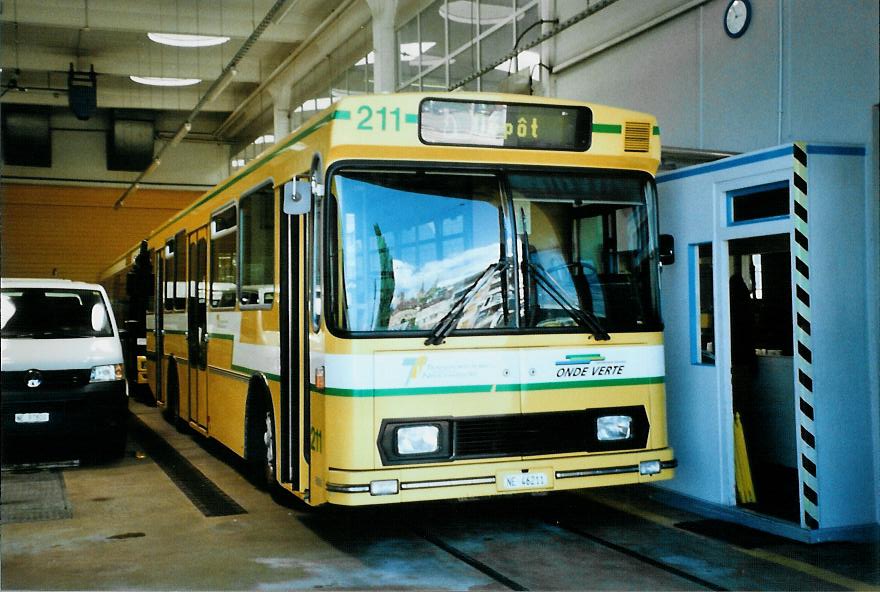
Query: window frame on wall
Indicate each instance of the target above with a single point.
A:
(518, 10)
(742, 195)
(701, 302)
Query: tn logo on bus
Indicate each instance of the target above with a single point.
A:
(416, 366)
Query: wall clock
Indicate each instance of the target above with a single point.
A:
(737, 18)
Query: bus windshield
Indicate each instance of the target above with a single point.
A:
(417, 250)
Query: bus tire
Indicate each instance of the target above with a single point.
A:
(262, 448)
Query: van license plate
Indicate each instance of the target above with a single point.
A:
(531, 480)
(31, 418)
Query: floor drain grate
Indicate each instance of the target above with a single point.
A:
(31, 496)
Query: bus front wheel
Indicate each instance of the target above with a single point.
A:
(261, 443)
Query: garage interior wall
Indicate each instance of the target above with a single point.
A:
(803, 70)
(74, 232)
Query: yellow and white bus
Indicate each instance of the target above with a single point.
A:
(424, 296)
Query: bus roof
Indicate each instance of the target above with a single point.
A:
(486, 128)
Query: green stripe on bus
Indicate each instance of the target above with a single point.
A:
(543, 386)
(411, 118)
(607, 128)
(224, 336)
(488, 388)
(342, 115)
(656, 130)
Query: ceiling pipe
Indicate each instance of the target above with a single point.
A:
(283, 74)
(216, 88)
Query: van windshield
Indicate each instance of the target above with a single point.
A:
(51, 313)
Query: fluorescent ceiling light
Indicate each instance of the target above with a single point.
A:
(158, 81)
(465, 11)
(180, 40)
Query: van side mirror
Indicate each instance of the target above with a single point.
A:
(297, 197)
(667, 249)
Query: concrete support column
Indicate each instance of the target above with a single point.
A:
(384, 45)
(281, 94)
(548, 48)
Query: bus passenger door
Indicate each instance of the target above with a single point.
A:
(197, 322)
(158, 327)
(294, 323)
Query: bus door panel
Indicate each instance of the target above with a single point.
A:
(294, 323)
(158, 328)
(197, 321)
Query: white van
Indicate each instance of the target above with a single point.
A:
(62, 367)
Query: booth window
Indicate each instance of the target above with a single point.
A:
(702, 294)
(759, 204)
(257, 222)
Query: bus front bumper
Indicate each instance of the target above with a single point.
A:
(505, 477)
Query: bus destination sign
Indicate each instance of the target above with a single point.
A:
(504, 125)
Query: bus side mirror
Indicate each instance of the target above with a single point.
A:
(667, 249)
(297, 197)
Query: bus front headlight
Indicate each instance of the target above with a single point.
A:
(418, 439)
(613, 427)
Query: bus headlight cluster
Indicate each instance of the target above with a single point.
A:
(613, 427)
(413, 441)
(420, 439)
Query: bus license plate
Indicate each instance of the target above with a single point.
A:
(519, 480)
(31, 418)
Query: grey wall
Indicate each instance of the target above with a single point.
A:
(813, 78)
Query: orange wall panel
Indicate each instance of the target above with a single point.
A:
(74, 232)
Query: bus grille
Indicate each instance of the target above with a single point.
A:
(541, 433)
(637, 137)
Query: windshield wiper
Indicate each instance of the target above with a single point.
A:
(582, 317)
(445, 325)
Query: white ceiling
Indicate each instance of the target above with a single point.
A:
(41, 38)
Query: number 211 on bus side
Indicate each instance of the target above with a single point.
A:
(424, 296)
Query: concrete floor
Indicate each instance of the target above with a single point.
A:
(125, 525)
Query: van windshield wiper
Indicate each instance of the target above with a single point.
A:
(582, 317)
(445, 325)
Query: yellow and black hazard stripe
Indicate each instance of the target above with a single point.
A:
(809, 490)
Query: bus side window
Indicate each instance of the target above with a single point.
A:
(257, 256)
(180, 271)
(151, 289)
(224, 232)
(168, 288)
